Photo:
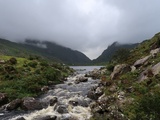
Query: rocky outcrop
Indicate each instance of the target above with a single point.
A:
(95, 93)
(14, 104)
(30, 103)
(155, 52)
(140, 62)
(3, 99)
(119, 69)
(95, 74)
(150, 72)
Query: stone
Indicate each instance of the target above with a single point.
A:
(149, 72)
(53, 101)
(62, 109)
(119, 69)
(155, 52)
(21, 118)
(44, 88)
(48, 118)
(140, 62)
(95, 74)
(13, 105)
(30, 103)
(81, 79)
(156, 69)
(3, 99)
(72, 102)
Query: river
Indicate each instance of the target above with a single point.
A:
(71, 96)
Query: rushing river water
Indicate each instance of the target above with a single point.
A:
(72, 100)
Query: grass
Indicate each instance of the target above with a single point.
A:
(26, 77)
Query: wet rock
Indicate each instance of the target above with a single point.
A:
(140, 62)
(3, 99)
(119, 69)
(62, 109)
(53, 101)
(44, 88)
(95, 93)
(48, 118)
(95, 74)
(29, 103)
(74, 103)
(21, 118)
(14, 104)
(81, 79)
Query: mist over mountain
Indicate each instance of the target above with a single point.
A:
(45, 49)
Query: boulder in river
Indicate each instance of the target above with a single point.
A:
(95, 74)
(62, 109)
(48, 118)
(81, 79)
(14, 104)
(30, 103)
(3, 99)
(53, 101)
(21, 118)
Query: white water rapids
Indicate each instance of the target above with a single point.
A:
(72, 101)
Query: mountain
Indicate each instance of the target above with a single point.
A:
(110, 51)
(44, 49)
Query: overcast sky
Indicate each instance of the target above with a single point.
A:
(85, 25)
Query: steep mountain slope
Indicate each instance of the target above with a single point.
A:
(109, 52)
(45, 49)
(131, 91)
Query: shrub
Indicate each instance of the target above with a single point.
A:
(13, 61)
(33, 64)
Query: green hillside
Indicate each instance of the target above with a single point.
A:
(107, 54)
(52, 51)
(132, 87)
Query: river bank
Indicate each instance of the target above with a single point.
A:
(67, 101)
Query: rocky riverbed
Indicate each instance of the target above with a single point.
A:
(68, 101)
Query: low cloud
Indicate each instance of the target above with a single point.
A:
(85, 25)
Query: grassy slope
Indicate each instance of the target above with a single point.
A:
(146, 94)
(27, 76)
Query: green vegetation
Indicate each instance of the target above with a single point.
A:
(50, 51)
(21, 77)
(142, 98)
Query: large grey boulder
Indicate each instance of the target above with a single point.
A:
(119, 69)
(150, 72)
(14, 104)
(30, 103)
(140, 62)
(155, 52)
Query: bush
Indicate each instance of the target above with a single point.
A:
(13, 61)
(33, 64)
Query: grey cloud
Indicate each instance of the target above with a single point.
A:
(85, 25)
